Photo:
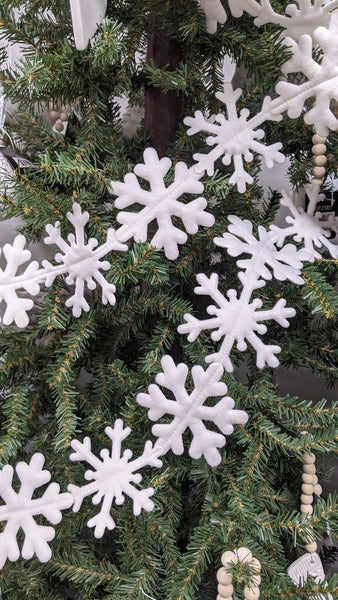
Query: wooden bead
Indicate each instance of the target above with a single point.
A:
(306, 509)
(317, 181)
(228, 557)
(309, 458)
(54, 114)
(320, 160)
(306, 499)
(58, 127)
(251, 593)
(219, 597)
(226, 591)
(256, 580)
(317, 139)
(64, 118)
(223, 576)
(318, 149)
(314, 479)
(244, 555)
(307, 478)
(307, 489)
(256, 565)
(319, 171)
(309, 468)
(311, 547)
(317, 489)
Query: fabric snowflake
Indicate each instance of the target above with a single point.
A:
(112, 477)
(322, 84)
(307, 226)
(301, 18)
(234, 137)
(214, 13)
(189, 410)
(20, 508)
(80, 262)
(160, 203)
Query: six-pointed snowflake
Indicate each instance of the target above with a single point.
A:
(81, 261)
(160, 203)
(20, 508)
(189, 410)
(234, 137)
(112, 477)
(322, 84)
(307, 226)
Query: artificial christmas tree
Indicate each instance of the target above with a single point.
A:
(81, 350)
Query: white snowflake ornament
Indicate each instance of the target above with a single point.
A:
(214, 14)
(322, 78)
(113, 477)
(307, 226)
(235, 137)
(20, 508)
(161, 203)
(189, 410)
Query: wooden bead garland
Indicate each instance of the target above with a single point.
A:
(58, 114)
(224, 576)
(310, 486)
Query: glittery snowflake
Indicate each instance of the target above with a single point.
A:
(234, 137)
(189, 410)
(307, 226)
(160, 203)
(322, 78)
(20, 508)
(112, 477)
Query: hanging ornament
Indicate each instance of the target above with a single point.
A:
(225, 577)
(58, 116)
(86, 17)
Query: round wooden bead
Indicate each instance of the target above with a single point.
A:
(319, 171)
(306, 509)
(318, 139)
(223, 576)
(320, 160)
(314, 479)
(317, 181)
(309, 469)
(64, 117)
(256, 565)
(226, 591)
(54, 114)
(251, 593)
(317, 489)
(309, 458)
(307, 489)
(219, 597)
(311, 547)
(318, 149)
(306, 499)
(307, 478)
(59, 127)
(244, 555)
(256, 580)
(229, 557)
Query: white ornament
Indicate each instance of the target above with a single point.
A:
(234, 137)
(20, 508)
(86, 16)
(322, 84)
(236, 318)
(307, 226)
(308, 565)
(214, 13)
(189, 410)
(160, 203)
(80, 262)
(301, 18)
(113, 477)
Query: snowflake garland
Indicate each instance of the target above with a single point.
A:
(189, 411)
(80, 262)
(20, 508)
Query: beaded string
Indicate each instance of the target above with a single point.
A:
(225, 578)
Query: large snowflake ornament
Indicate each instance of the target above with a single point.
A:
(307, 226)
(161, 203)
(113, 477)
(215, 12)
(322, 78)
(234, 137)
(79, 260)
(20, 508)
(300, 18)
(189, 410)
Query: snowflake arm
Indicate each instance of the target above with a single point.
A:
(234, 137)
(20, 508)
(306, 226)
(160, 203)
(214, 14)
(112, 477)
(189, 412)
(322, 84)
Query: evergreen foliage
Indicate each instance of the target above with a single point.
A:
(64, 377)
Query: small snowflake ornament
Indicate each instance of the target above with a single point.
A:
(113, 477)
(20, 508)
(161, 203)
(189, 410)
